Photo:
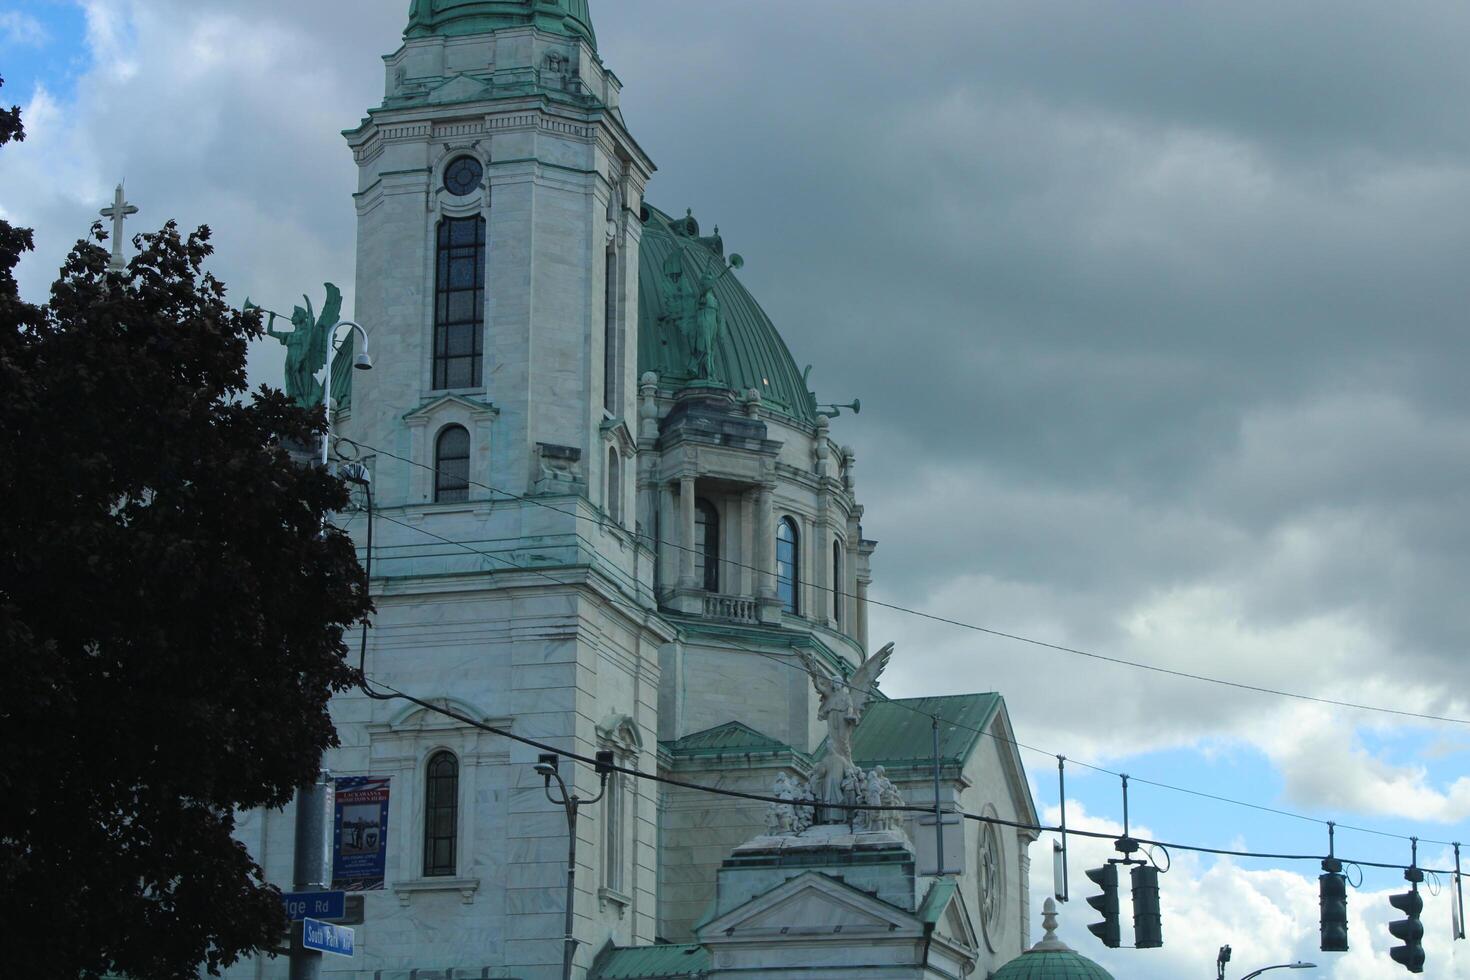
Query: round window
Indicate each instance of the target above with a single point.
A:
(992, 885)
(463, 175)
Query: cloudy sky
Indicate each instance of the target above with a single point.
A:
(1157, 310)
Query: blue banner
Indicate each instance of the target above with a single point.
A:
(360, 837)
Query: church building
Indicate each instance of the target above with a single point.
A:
(609, 515)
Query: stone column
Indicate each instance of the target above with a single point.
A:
(686, 533)
(765, 545)
(746, 559)
(769, 604)
(862, 612)
(668, 556)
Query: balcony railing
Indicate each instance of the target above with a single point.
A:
(731, 608)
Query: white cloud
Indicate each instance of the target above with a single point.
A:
(1266, 916)
(22, 29)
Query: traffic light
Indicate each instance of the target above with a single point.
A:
(1332, 889)
(1148, 925)
(1410, 931)
(1107, 930)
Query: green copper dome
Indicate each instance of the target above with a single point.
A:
(1035, 965)
(1051, 959)
(454, 17)
(748, 352)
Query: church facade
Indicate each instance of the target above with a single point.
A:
(609, 515)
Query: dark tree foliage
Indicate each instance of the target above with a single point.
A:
(171, 616)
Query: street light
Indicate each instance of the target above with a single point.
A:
(1298, 965)
(362, 362)
(546, 766)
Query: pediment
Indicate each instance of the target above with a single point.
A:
(460, 88)
(622, 731)
(616, 431)
(414, 717)
(1004, 737)
(810, 904)
(449, 403)
(955, 925)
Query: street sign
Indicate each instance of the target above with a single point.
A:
(326, 938)
(317, 905)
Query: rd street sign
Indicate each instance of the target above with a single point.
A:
(317, 905)
(326, 938)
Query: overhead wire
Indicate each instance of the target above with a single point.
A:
(990, 631)
(641, 613)
(628, 580)
(631, 583)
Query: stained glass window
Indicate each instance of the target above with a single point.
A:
(459, 303)
(441, 815)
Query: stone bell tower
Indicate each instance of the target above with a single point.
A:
(497, 262)
(497, 277)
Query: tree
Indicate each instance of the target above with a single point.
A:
(171, 614)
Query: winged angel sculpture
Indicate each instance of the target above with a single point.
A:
(841, 708)
(306, 346)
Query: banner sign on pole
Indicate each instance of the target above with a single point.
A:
(360, 836)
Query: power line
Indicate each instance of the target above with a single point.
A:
(989, 631)
(1022, 745)
(635, 587)
(640, 613)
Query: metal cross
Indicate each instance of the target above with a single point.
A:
(118, 213)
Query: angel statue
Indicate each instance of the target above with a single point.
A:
(306, 345)
(842, 703)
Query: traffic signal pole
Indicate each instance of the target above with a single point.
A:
(312, 864)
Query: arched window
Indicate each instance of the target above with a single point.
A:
(837, 589)
(706, 545)
(788, 565)
(441, 815)
(459, 303)
(452, 465)
(614, 486)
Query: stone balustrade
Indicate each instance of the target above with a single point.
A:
(731, 608)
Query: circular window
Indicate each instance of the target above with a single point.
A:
(463, 175)
(992, 885)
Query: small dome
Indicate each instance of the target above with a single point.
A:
(748, 353)
(1051, 959)
(1033, 965)
(451, 18)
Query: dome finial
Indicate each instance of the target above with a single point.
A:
(1050, 942)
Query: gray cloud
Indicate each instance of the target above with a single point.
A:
(1157, 311)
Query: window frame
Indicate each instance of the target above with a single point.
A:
(614, 499)
(446, 293)
(837, 589)
(452, 494)
(707, 545)
(434, 806)
(614, 820)
(612, 354)
(788, 586)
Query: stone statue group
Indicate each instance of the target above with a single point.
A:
(838, 782)
(798, 811)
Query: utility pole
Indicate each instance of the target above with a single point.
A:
(313, 863)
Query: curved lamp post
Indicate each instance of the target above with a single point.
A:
(546, 767)
(361, 362)
(1298, 965)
